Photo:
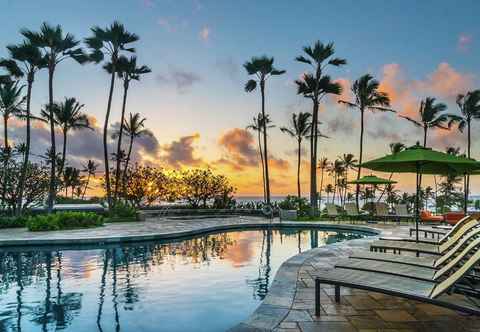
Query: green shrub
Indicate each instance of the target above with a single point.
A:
(295, 203)
(64, 220)
(13, 222)
(122, 210)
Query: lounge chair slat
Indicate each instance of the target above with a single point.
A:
(415, 261)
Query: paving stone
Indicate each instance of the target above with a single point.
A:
(298, 316)
(395, 315)
(327, 327)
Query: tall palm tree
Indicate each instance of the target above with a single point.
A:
(25, 60)
(329, 189)
(12, 101)
(262, 68)
(336, 170)
(315, 86)
(431, 116)
(109, 42)
(90, 168)
(57, 47)
(299, 129)
(134, 128)
(323, 164)
(367, 97)
(127, 71)
(68, 116)
(469, 105)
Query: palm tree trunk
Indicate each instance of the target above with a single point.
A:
(334, 188)
(119, 144)
(265, 150)
(64, 152)
(359, 172)
(5, 157)
(23, 174)
(105, 133)
(425, 129)
(260, 150)
(298, 168)
(321, 188)
(86, 186)
(126, 165)
(53, 161)
(313, 159)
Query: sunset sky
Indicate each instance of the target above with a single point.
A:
(194, 100)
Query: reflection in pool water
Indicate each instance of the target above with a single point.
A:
(205, 283)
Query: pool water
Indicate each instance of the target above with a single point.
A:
(204, 283)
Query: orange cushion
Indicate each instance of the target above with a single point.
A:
(427, 216)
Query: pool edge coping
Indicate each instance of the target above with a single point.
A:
(268, 315)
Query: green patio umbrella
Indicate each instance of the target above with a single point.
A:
(372, 179)
(420, 160)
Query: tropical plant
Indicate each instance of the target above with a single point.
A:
(68, 116)
(134, 128)
(349, 163)
(25, 60)
(127, 71)
(109, 42)
(323, 164)
(257, 126)
(367, 97)
(71, 179)
(90, 168)
(315, 86)
(299, 129)
(329, 189)
(12, 101)
(56, 47)
(262, 68)
(11, 104)
(396, 147)
(337, 169)
(431, 116)
(469, 105)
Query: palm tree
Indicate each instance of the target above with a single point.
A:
(395, 147)
(430, 116)
(25, 59)
(134, 128)
(11, 104)
(349, 162)
(323, 164)
(109, 42)
(469, 105)
(127, 71)
(68, 116)
(57, 47)
(367, 97)
(329, 189)
(336, 170)
(90, 168)
(262, 68)
(315, 87)
(299, 129)
(257, 126)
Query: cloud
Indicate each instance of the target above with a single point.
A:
(340, 124)
(464, 41)
(148, 3)
(346, 94)
(446, 82)
(181, 79)
(239, 147)
(181, 153)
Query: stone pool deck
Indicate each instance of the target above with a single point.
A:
(290, 301)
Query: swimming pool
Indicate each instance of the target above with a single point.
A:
(203, 283)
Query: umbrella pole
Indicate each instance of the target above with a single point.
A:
(417, 202)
